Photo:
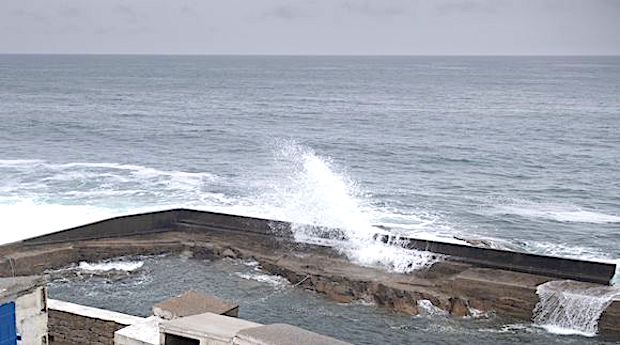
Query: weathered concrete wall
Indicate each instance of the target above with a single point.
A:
(31, 315)
(37, 259)
(200, 222)
(203, 221)
(609, 324)
(139, 224)
(72, 324)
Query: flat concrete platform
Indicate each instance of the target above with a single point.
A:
(194, 303)
(282, 334)
(145, 332)
(216, 329)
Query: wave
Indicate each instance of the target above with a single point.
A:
(275, 281)
(310, 189)
(127, 266)
(304, 188)
(557, 212)
(39, 197)
(26, 219)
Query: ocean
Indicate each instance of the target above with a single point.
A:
(522, 152)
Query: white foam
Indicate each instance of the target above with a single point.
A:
(127, 266)
(264, 278)
(568, 307)
(565, 331)
(25, 219)
(18, 162)
(428, 308)
(38, 197)
(310, 190)
(559, 213)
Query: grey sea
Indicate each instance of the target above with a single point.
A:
(522, 152)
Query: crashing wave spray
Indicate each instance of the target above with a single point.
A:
(311, 192)
(569, 307)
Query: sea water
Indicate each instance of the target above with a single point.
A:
(268, 299)
(523, 152)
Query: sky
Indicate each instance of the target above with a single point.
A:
(322, 27)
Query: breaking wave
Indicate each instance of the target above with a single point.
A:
(558, 213)
(272, 280)
(330, 208)
(127, 266)
(302, 187)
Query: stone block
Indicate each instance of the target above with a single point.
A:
(282, 334)
(194, 303)
(209, 328)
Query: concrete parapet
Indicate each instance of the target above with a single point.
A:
(74, 324)
(201, 222)
(282, 334)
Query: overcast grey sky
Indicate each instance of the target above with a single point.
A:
(425, 27)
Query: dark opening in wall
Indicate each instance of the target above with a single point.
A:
(172, 339)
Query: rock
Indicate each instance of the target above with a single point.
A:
(228, 253)
(458, 307)
(406, 306)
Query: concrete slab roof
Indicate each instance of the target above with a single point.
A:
(144, 332)
(283, 334)
(11, 288)
(207, 326)
(193, 303)
(94, 313)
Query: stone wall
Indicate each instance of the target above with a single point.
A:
(31, 313)
(71, 324)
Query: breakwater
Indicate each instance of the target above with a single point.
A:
(458, 283)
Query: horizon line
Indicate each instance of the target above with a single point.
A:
(300, 55)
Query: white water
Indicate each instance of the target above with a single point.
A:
(312, 192)
(428, 308)
(264, 278)
(568, 307)
(127, 266)
(38, 197)
(557, 212)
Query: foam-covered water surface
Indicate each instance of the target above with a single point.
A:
(270, 299)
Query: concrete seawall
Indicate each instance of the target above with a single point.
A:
(199, 221)
(470, 277)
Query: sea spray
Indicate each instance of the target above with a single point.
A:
(569, 307)
(329, 208)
